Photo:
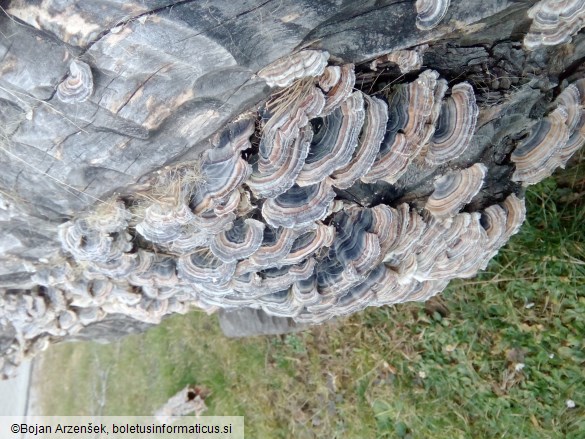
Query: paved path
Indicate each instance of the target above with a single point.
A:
(14, 393)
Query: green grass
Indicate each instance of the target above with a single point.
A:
(445, 369)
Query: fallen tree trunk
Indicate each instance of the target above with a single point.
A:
(110, 110)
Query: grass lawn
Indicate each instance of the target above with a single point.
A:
(498, 356)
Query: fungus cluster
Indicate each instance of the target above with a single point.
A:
(554, 139)
(306, 63)
(406, 60)
(267, 222)
(554, 22)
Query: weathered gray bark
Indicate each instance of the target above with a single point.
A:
(169, 74)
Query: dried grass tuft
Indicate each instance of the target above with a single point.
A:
(172, 187)
(284, 100)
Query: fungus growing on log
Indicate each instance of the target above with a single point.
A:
(516, 214)
(280, 278)
(554, 22)
(282, 72)
(406, 60)
(337, 85)
(536, 156)
(409, 128)
(334, 142)
(98, 238)
(276, 244)
(572, 100)
(299, 206)
(309, 243)
(239, 242)
(223, 170)
(454, 190)
(430, 13)
(211, 222)
(202, 266)
(162, 223)
(78, 86)
(455, 126)
(312, 203)
(284, 145)
(368, 147)
(278, 180)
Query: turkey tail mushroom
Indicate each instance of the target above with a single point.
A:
(299, 206)
(572, 99)
(222, 168)
(368, 147)
(276, 244)
(282, 72)
(334, 142)
(406, 60)
(284, 145)
(338, 85)
(410, 125)
(554, 22)
(239, 242)
(455, 126)
(202, 266)
(535, 157)
(280, 179)
(78, 86)
(430, 13)
(516, 214)
(290, 209)
(454, 190)
(309, 243)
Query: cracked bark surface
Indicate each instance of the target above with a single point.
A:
(168, 75)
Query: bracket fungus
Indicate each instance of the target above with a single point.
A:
(202, 266)
(78, 86)
(305, 208)
(455, 126)
(338, 86)
(430, 13)
(239, 242)
(282, 72)
(100, 237)
(284, 145)
(278, 180)
(410, 126)
(406, 60)
(454, 190)
(539, 154)
(572, 100)
(368, 147)
(554, 22)
(334, 142)
(222, 169)
(162, 223)
(299, 206)
(276, 244)
(553, 140)
(308, 243)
